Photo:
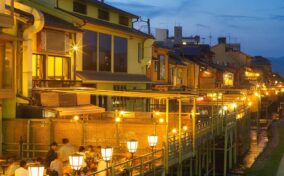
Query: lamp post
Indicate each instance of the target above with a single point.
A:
(152, 141)
(76, 161)
(107, 153)
(132, 146)
(36, 170)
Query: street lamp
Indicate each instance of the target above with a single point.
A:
(152, 141)
(132, 146)
(36, 170)
(107, 155)
(76, 161)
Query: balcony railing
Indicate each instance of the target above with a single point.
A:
(56, 83)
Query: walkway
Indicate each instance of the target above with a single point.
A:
(280, 171)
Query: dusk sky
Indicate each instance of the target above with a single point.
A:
(257, 24)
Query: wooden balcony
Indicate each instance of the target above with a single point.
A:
(56, 83)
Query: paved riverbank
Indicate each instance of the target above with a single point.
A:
(267, 163)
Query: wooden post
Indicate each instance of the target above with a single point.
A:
(167, 139)
(179, 139)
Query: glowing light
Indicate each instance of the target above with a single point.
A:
(174, 130)
(225, 108)
(107, 153)
(184, 128)
(256, 94)
(75, 48)
(161, 120)
(234, 105)
(117, 119)
(157, 113)
(239, 116)
(76, 118)
(200, 99)
(122, 112)
(184, 43)
(266, 93)
(250, 103)
(152, 140)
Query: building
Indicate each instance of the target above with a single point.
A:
(8, 48)
(163, 39)
(90, 44)
(231, 56)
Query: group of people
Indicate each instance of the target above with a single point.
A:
(56, 161)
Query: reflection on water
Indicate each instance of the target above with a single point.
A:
(256, 147)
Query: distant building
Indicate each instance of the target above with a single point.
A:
(178, 35)
(162, 34)
(178, 40)
(262, 63)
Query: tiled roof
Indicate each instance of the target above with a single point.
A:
(110, 25)
(112, 77)
(51, 21)
(107, 6)
(58, 23)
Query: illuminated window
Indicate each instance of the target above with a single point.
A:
(228, 79)
(37, 66)
(58, 68)
(162, 68)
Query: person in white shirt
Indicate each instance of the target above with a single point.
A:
(22, 171)
(66, 150)
(57, 165)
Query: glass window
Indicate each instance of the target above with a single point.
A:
(37, 66)
(228, 79)
(6, 65)
(103, 15)
(105, 52)
(140, 52)
(162, 69)
(58, 68)
(79, 7)
(90, 51)
(123, 20)
(120, 54)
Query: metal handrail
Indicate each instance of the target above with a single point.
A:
(149, 159)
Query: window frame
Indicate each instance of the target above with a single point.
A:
(102, 13)
(123, 20)
(78, 9)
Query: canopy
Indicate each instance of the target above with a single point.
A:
(77, 110)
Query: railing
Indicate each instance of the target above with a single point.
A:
(56, 83)
(151, 162)
(206, 129)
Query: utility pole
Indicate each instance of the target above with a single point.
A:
(148, 24)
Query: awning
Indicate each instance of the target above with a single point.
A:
(95, 77)
(78, 110)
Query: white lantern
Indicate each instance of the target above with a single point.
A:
(76, 161)
(152, 140)
(132, 146)
(36, 170)
(107, 153)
